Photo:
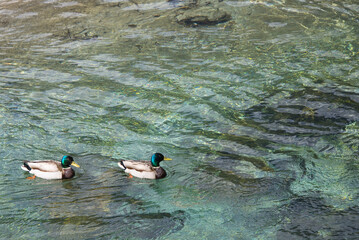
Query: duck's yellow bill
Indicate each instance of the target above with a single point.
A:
(167, 159)
(75, 164)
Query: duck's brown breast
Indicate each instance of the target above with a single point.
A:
(160, 173)
(68, 173)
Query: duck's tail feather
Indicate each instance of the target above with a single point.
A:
(122, 165)
(26, 166)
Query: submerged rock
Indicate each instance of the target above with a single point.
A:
(203, 16)
(76, 34)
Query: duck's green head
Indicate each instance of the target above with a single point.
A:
(157, 158)
(66, 161)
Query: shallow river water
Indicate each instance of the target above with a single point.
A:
(260, 115)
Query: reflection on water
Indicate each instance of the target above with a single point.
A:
(259, 114)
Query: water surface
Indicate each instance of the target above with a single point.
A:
(260, 115)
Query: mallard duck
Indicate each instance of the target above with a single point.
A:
(50, 169)
(145, 169)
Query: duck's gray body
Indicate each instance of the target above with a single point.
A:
(142, 169)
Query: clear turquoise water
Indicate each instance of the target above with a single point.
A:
(259, 114)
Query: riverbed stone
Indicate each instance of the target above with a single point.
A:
(206, 15)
